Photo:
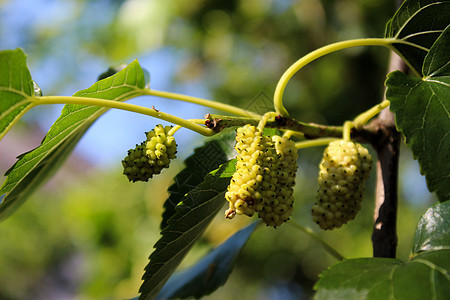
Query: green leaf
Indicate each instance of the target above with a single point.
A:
(422, 110)
(417, 24)
(437, 62)
(422, 115)
(16, 88)
(210, 272)
(357, 279)
(114, 69)
(205, 159)
(423, 277)
(192, 217)
(35, 166)
(433, 231)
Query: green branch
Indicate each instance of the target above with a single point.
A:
(124, 106)
(278, 102)
(204, 102)
(314, 143)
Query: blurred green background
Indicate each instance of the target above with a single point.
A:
(88, 232)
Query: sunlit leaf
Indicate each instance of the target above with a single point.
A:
(114, 69)
(16, 88)
(192, 217)
(433, 231)
(35, 166)
(210, 272)
(422, 110)
(418, 23)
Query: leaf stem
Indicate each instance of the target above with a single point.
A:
(318, 239)
(364, 117)
(124, 106)
(208, 103)
(278, 97)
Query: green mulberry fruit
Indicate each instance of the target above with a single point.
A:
(245, 194)
(344, 169)
(278, 208)
(150, 157)
(264, 177)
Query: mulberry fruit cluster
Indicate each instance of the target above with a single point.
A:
(151, 156)
(344, 169)
(264, 177)
(253, 160)
(279, 203)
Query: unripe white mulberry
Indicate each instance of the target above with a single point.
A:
(264, 177)
(344, 169)
(279, 206)
(245, 192)
(152, 156)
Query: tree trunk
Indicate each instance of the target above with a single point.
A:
(384, 236)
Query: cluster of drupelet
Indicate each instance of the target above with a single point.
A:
(151, 156)
(343, 172)
(264, 178)
(265, 175)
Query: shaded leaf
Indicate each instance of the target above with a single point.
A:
(417, 24)
(204, 160)
(422, 111)
(192, 217)
(437, 62)
(16, 88)
(433, 231)
(210, 272)
(35, 166)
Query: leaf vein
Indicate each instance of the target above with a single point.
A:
(38, 157)
(15, 91)
(437, 81)
(16, 105)
(432, 284)
(406, 37)
(432, 266)
(192, 228)
(411, 16)
(206, 219)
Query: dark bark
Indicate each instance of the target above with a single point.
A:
(387, 145)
